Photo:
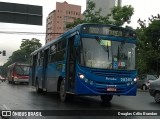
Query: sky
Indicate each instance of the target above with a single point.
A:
(11, 42)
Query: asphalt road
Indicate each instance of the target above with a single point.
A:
(24, 97)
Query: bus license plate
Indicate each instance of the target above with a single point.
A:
(111, 89)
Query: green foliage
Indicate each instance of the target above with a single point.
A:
(28, 46)
(153, 34)
(17, 56)
(23, 54)
(149, 45)
(118, 16)
(122, 14)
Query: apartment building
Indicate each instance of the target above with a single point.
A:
(58, 19)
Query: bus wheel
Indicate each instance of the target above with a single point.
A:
(157, 97)
(62, 92)
(13, 81)
(106, 98)
(144, 87)
(38, 90)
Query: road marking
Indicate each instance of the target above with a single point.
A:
(2, 108)
(5, 107)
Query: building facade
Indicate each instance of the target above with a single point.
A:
(105, 5)
(58, 19)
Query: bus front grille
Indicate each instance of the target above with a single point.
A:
(111, 74)
(101, 87)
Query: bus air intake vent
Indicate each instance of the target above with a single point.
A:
(111, 74)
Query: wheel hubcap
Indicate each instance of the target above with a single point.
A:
(144, 87)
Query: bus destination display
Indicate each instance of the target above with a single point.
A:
(104, 30)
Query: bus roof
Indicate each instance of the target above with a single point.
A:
(77, 28)
(17, 63)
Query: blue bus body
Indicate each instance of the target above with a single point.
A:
(49, 67)
(100, 84)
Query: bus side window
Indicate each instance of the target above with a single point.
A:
(41, 58)
(64, 44)
(57, 51)
(38, 59)
(53, 50)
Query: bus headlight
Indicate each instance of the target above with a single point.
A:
(135, 79)
(81, 76)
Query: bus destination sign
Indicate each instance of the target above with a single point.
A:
(106, 30)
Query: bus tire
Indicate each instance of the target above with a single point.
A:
(157, 97)
(144, 87)
(13, 81)
(63, 95)
(106, 98)
(38, 90)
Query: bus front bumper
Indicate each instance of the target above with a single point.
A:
(21, 80)
(83, 88)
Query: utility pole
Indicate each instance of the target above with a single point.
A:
(120, 3)
(3, 53)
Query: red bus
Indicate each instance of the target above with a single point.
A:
(18, 72)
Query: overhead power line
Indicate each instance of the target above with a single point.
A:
(27, 33)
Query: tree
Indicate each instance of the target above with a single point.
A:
(17, 56)
(119, 15)
(149, 45)
(141, 60)
(23, 54)
(28, 46)
(122, 15)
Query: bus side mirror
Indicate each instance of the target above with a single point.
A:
(76, 41)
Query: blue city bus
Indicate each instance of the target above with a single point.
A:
(88, 60)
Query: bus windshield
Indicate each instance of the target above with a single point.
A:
(99, 53)
(22, 70)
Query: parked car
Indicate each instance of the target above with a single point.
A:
(154, 90)
(2, 79)
(144, 80)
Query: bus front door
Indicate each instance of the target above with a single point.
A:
(45, 64)
(70, 66)
(34, 63)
